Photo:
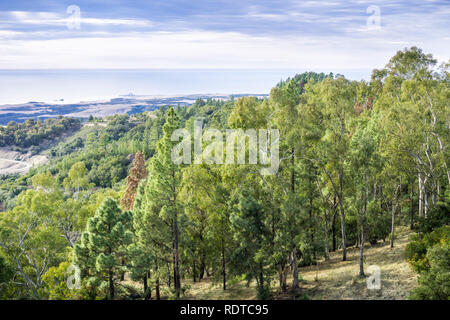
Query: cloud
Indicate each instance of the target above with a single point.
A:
(210, 34)
(57, 19)
(196, 49)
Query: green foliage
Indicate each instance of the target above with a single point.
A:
(251, 234)
(32, 133)
(55, 285)
(6, 274)
(356, 158)
(417, 250)
(436, 217)
(103, 244)
(378, 222)
(434, 282)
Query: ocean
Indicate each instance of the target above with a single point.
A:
(72, 86)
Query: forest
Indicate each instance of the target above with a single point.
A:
(111, 216)
(32, 133)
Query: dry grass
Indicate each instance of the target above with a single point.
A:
(204, 290)
(335, 279)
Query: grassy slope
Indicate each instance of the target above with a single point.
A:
(336, 279)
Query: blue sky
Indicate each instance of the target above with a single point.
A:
(332, 35)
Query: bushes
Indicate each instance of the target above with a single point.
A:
(429, 255)
(434, 283)
(436, 217)
(416, 250)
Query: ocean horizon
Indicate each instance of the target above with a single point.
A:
(76, 85)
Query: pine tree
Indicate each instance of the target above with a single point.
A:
(137, 173)
(252, 234)
(103, 244)
(157, 215)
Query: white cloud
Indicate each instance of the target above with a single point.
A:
(342, 43)
(197, 49)
(55, 19)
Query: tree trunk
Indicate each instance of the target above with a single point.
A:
(294, 269)
(293, 170)
(394, 207)
(361, 253)
(327, 255)
(194, 276)
(311, 224)
(111, 284)
(344, 238)
(202, 270)
(412, 206)
(261, 277)
(224, 274)
(176, 267)
(333, 231)
(282, 270)
(147, 292)
(157, 289)
(169, 277)
(420, 195)
(363, 226)
(122, 274)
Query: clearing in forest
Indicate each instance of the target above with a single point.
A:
(335, 279)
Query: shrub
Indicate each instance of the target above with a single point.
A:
(434, 283)
(420, 244)
(436, 217)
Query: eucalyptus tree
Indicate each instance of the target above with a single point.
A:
(414, 104)
(326, 108)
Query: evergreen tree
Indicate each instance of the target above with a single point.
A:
(103, 244)
(251, 233)
(158, 215)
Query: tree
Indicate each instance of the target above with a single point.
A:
(103, 243)
(159, 213)
(327, 107)
(140, 262)
(137, 173)
(251, 233)
(364, 159)
(31, 240)
(77, 177)
(413, 99)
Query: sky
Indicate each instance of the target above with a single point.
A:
(351, 37)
